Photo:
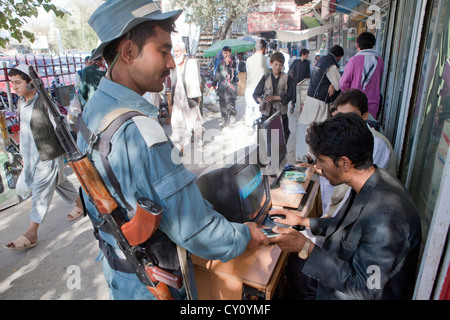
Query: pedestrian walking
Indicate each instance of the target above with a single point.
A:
(256, 69)
(186, 119)
(43, 160)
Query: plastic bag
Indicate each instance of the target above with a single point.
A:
(210, 98)
(292, 187)
(22, 188)
(74, 109)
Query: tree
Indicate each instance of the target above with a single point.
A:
(75, 30)
(13, 15)
(205, 12)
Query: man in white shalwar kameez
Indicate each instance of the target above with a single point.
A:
(186, 83)
(324, 85)
(39, 178)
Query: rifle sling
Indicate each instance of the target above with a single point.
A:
(105, 148)
(109, 126)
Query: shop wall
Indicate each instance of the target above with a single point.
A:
(427, 143)
(425, 150)
(416, 118)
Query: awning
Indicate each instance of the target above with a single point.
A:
(346, 6)
(294, 36)
(236, 45)
(343, 6)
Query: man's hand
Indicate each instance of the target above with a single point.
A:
(257, 236)
(331, 90)
(318, 171)
(291, 218)
(269, 99)
(290, 240)
(313, 166)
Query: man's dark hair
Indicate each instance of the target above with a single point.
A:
(277, 56)
(226, 48)
(304, 51)
(260, 45)
(366, 40)
(139, 35)
(23, 75)
(347, 135)
(355, 97)
(337, 51)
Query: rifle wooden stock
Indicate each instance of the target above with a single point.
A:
(161, 292)
(142, 227)
(93, 185)
(157, 274)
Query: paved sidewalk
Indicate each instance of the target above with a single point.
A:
(67, 249)
(43, 272)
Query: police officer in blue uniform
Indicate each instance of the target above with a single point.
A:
(136, 44)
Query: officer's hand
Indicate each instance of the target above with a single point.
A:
(257, 236)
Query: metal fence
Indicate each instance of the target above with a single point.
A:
(54, 71)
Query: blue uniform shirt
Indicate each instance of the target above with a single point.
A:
(187, 219)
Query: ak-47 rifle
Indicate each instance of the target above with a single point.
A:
(132, 235)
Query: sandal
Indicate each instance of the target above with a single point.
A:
(75, 214)
(21, 243)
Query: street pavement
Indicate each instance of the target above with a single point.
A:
(62, 266)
